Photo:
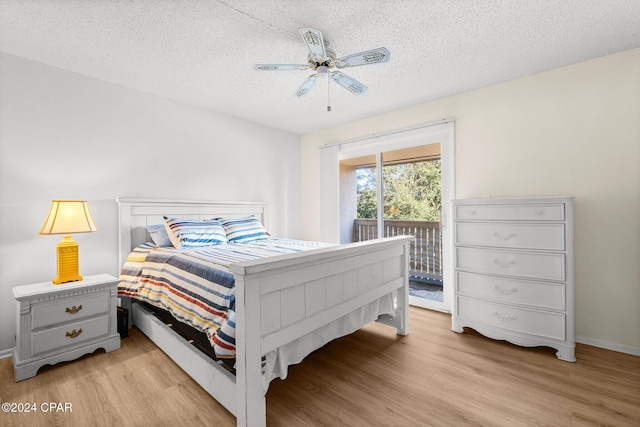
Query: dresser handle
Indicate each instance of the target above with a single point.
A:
(505, 318)
(505, 291)
(539, 211)
(507, 237)
(74, 333)
(504, 264)
(73, 310)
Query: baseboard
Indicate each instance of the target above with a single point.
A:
(582, 340)
(609, 345)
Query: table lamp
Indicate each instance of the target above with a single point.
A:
(66, 217)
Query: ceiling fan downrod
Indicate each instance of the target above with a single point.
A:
(328, 92)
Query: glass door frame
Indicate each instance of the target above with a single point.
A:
(443, 133)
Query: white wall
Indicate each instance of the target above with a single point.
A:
(570, 131)
(67, 136)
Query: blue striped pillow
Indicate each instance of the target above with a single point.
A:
(188, 233)
(244, 229)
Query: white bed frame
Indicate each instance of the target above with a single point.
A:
(278, 299)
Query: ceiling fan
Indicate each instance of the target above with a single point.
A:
(322, 59)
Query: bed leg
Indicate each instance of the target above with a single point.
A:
(251, 401)
(254, 412)
(400, 318)
(402, 312)
(125, 302)
(403, 331)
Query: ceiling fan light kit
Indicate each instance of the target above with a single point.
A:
(323, 59)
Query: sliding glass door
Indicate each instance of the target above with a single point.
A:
(412, 205)
(401, 184)
(399, 192)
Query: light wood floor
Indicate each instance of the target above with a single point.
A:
(433, 377)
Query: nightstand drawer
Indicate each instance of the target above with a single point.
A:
(520, 212)
(544, 266)
(540, 323)
(511, 235)
(522, 292)
(69, 310)
(69, 335)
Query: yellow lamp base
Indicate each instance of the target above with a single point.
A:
(67, 255)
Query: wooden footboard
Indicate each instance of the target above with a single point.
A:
(280, 299)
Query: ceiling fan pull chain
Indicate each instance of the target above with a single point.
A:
(328, 92)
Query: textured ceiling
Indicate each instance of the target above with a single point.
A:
(201, 52)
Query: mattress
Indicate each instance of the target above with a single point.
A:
(195, 285)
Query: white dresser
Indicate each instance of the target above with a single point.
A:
(514, 271)
(57, 323)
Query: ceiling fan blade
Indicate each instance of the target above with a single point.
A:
(280, 67)
(307, 85)
(315, 43)
(349, 83)
(374, 56)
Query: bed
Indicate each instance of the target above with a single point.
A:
(281, 301)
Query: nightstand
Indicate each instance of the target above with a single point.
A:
(58, 323)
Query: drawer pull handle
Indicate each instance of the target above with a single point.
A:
(74, 333)
(505, 291)
(73, 310)
(539, 211)
(504, 264)
(505, 237)
(505, 318)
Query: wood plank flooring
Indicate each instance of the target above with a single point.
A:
(433, 377)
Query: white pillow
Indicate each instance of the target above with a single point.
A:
(159, 235)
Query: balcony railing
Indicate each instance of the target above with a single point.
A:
(426, 250)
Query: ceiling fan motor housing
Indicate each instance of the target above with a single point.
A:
(328, 61)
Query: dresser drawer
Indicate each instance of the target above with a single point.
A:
(69, 334)
(506, 212)
(69, 310)
(533, 322)
(501, 289)
(511, 235)
(544, 266)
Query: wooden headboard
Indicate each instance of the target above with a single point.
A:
(135, 214)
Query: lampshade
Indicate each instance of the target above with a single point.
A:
(68, 216)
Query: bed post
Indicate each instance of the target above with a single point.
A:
(124, 247)
(252, 405)
(403, 294)
(400, 317)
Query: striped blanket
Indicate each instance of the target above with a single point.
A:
(195, 285)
